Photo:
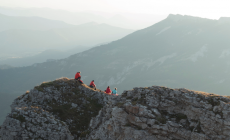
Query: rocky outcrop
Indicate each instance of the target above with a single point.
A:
(64, 109)
(33, 122)
(161, 113)
(58, 110)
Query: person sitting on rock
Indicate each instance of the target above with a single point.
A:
(80, 81)
(77, 75)
(108, 90)
(114, 92)
(92, 85)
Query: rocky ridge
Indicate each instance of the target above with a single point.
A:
(61, 109)
(160, 113)
(65, 110)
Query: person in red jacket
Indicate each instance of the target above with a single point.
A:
(78, 76)
(92, 85)
(108, 90)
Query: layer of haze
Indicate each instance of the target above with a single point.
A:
(205, 8)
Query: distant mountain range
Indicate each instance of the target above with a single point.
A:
(87, 34)
(180, 51)
(47, 55)
(22, 36)
(4, 66)
(122, 20)
(30, 23)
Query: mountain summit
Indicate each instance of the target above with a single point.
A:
(65, 110)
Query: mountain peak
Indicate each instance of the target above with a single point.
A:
(174, 16)
(179, 17)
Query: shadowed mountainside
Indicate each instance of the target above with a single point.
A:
(180, 51)
(48, 55)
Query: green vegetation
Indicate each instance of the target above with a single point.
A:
(139, 128)
(157, 123)
(19, 117)
(39, 88)
(162, 120)
(84, 133)
(120, 104)
(80, 116)
(129, 97)
(62, 110)
(164, 113)
(141, 101)
(198, 129)
(128, 124)
(180, 116)
(134, 101)
(48, 84)
(213, 101)
(88, 107)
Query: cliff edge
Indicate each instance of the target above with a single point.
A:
(66, 110)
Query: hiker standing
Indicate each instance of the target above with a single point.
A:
(114, 92)
(92, 85)
(108, 90)
(78, 76)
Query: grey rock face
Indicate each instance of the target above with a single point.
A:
(33, 123)
(160, 113)
(153, 113)
(58, 110)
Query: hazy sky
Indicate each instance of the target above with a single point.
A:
(202, 8)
